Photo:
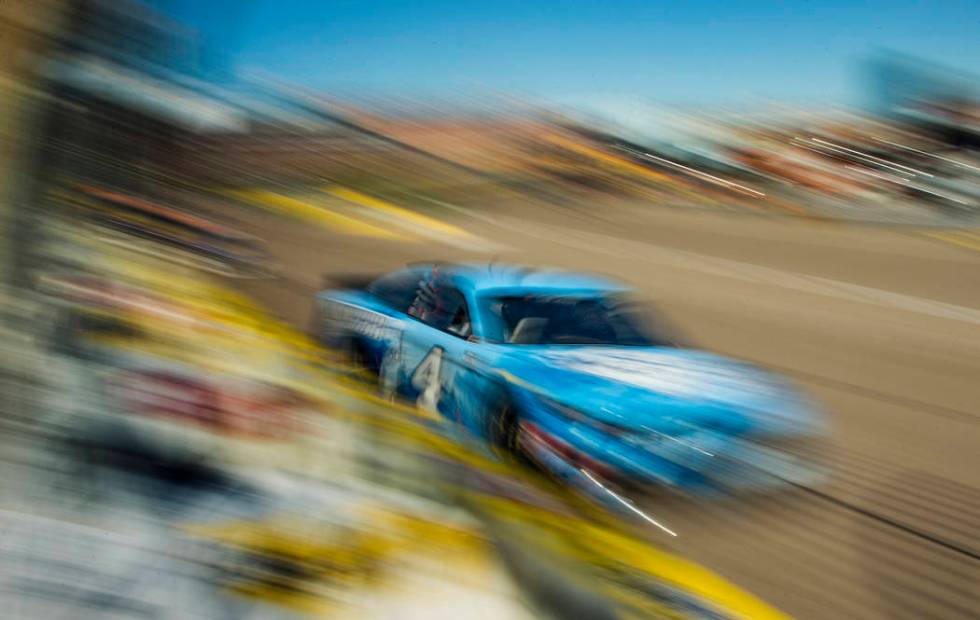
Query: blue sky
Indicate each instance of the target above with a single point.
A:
(698, 52)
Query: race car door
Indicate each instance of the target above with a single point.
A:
(433, 348)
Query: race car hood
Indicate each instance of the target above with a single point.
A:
(663, 389)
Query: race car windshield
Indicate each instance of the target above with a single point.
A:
(571, 320)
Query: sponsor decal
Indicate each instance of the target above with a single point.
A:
(341, 316)
(250, 409)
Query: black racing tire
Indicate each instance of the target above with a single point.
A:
(505, 437)
(359, 359)
(505, 429)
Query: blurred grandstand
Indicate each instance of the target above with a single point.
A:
(133, 90)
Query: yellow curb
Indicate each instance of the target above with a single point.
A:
(965, 238)
(418, 219)
(315, 213)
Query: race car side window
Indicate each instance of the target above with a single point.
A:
(460, 324)
(572, 320)
(397, 290)
(444, 308)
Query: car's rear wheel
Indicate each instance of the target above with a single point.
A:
(359, 359)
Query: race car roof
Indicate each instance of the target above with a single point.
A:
(483, 278)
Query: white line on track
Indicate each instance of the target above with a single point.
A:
(628, 504)
(729, 268)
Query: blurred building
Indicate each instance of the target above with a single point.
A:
(131, 91)
(28, 30)
(941, 102)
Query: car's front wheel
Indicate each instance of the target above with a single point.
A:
(504, 432)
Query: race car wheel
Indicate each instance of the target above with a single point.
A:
(360, 361)
(505, 430)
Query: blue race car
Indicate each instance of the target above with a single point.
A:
(566, 369)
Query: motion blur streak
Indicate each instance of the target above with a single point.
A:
(629, 505)
(305, 312)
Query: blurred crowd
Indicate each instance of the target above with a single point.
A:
(106, 88)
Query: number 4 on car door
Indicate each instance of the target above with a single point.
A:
(427, 380)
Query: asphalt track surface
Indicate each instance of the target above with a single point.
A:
(881, 326)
